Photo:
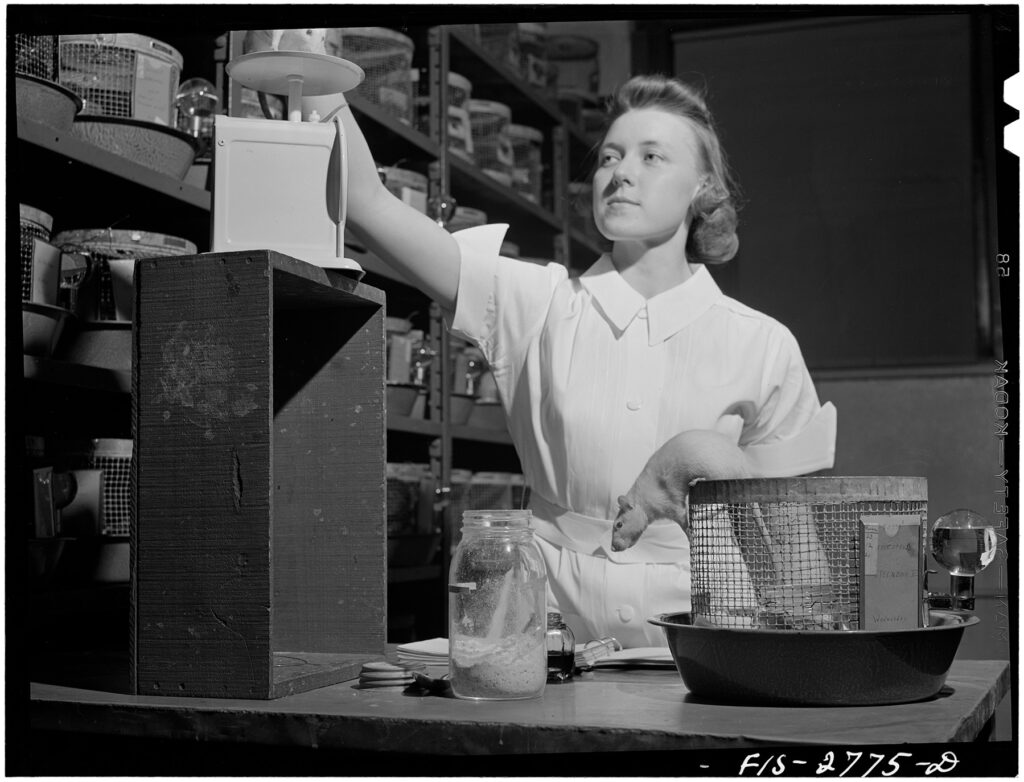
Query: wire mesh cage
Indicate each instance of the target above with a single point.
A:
(785, 554)
(574, 63)
(34, 224)
(122, 75)
(460, 133)
(106, 246)
(492, 146)
(534, 56)
(502, 41)
(527, 152)
(37, 55)
(386, 58)
(113, 458)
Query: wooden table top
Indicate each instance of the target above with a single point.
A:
(621, 710)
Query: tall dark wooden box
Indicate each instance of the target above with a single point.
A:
(259, 544)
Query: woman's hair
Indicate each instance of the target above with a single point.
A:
(712, 237)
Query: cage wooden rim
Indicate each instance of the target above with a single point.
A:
(858, 488)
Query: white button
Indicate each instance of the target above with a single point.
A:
(633, 404)
(626, 614)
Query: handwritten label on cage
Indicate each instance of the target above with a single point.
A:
(153, 96)
(890, 594)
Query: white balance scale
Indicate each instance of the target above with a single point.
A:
(283, 184)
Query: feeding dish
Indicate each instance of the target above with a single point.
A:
(814, 667)
(47, 102)
(42, 326)
(461, 407)
(402, 397)
(163, 149)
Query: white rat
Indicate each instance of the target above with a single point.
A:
(661, 489)
(302, 40)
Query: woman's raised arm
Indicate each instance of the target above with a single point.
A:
(403, 237)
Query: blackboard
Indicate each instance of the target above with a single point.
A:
(859, 153)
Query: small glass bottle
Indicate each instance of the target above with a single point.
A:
(496, 607)
(561, 649)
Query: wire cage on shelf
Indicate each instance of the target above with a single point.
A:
(37, 55)
(122, 75)
(386, 58)
(492, 146)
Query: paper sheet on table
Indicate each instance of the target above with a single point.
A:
(434, 651)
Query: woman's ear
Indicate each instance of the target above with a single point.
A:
(701, 184)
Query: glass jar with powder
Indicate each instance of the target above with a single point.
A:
(497, 617)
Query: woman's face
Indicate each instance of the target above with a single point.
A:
(648, 172)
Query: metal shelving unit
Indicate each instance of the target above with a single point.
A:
(154, 201)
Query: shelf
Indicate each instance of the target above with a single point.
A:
(79, 151)
(531, 227)
(582, 155)
(48, 370)
(402, 423)
(481, 435)
(493, 80)
(392, 140)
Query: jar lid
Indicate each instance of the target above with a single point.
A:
(489, 107)
(497, 519)
(30, 213)
(533, 28)
(460, 81)
(525, 133)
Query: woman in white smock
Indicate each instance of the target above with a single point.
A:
(595, 373)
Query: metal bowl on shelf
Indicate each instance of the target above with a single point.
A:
(402, 397)
(814, 667)
(106, 344)
(487, 415)
(47, 102)
(162, 149)
(461, 407)
(42, 326)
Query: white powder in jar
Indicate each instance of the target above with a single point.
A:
(515, 667)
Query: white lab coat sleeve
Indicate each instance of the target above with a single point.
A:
(501, 302)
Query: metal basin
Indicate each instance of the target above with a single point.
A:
(814, 668)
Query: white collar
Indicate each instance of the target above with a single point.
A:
(667, 313)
